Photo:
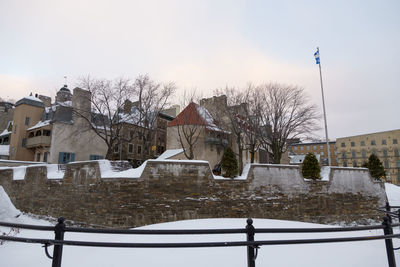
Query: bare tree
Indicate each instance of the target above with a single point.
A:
(232, 118)
(111, 112)
(283, 112)
(188, 127)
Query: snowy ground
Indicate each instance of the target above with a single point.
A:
(366, 254)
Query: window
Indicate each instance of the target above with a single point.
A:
(385, 153)
(321, 147)
(364, 154)
(374, 152)
(116, 149)
(45, 156)
(396, 152)
(343, 144)
(131, 133)
(23, 142)
(322, 153)
(362, 143)
(394, 141)
(15, 128)
(139, 149)
(27, 120)
(373, 143)
(344, 164)
(130, 148)
(383, 141)
(46, 132)
(354, 163)
(65, 157)
(38, 157)
(301, 148)
(308, 147)
(96, 157)
(352, 144)
(397, 163)
(353, 154)
(386, 162)
(315, 147)
(344, 155)
(295, 148)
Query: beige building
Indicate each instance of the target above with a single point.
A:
(353, 151)
(317, 148)
(28, 111)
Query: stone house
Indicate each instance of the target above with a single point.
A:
(211, 132)
(141, 138)
(51, 132)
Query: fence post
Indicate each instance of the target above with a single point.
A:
(59, 230)
(251, 261)
(389, 244)
(388, 209)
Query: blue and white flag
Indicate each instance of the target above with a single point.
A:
(316, 55)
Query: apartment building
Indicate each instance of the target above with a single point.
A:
(317, 148)
(353, 151)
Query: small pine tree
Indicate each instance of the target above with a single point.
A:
(375, 167)
(310, 167)
(229, 163)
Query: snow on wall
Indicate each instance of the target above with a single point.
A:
(354, 181)
(287, 178)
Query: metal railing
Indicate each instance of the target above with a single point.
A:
(252, 245)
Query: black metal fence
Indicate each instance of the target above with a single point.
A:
(252, 245)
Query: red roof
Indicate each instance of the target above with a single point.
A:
(188, 116)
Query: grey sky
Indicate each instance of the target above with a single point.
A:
(210, 44)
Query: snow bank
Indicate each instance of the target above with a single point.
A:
(53, 172)
(244, 175)
(325, 172)
(393, 194)
(107, 171)
(4, 150)
(169, 153)
(7, 209)
(19, 172)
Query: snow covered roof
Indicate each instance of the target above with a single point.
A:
(5, 132)
(39, 124)
(4, 150)
(30, 100)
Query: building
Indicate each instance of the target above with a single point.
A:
(207, 130)
(317, 148)
(52, 132)
(353, 151)
(141, 139)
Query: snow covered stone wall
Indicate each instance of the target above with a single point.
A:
(91, 193)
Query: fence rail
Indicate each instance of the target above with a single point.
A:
(252, 246)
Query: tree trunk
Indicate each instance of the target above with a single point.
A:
(240, 151)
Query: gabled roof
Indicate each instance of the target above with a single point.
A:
(194, 114)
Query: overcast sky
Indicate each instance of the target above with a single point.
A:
(211, 44)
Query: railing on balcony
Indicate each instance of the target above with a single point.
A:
(216, 140)
(38, 141)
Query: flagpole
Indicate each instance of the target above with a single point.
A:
(323, 105)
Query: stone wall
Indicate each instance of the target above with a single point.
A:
(179, 190)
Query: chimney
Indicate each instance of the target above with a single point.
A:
(81, 104)
(127, 106)
(45, 99)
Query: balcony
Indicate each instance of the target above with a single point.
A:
(216, 141)
(38, 141)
